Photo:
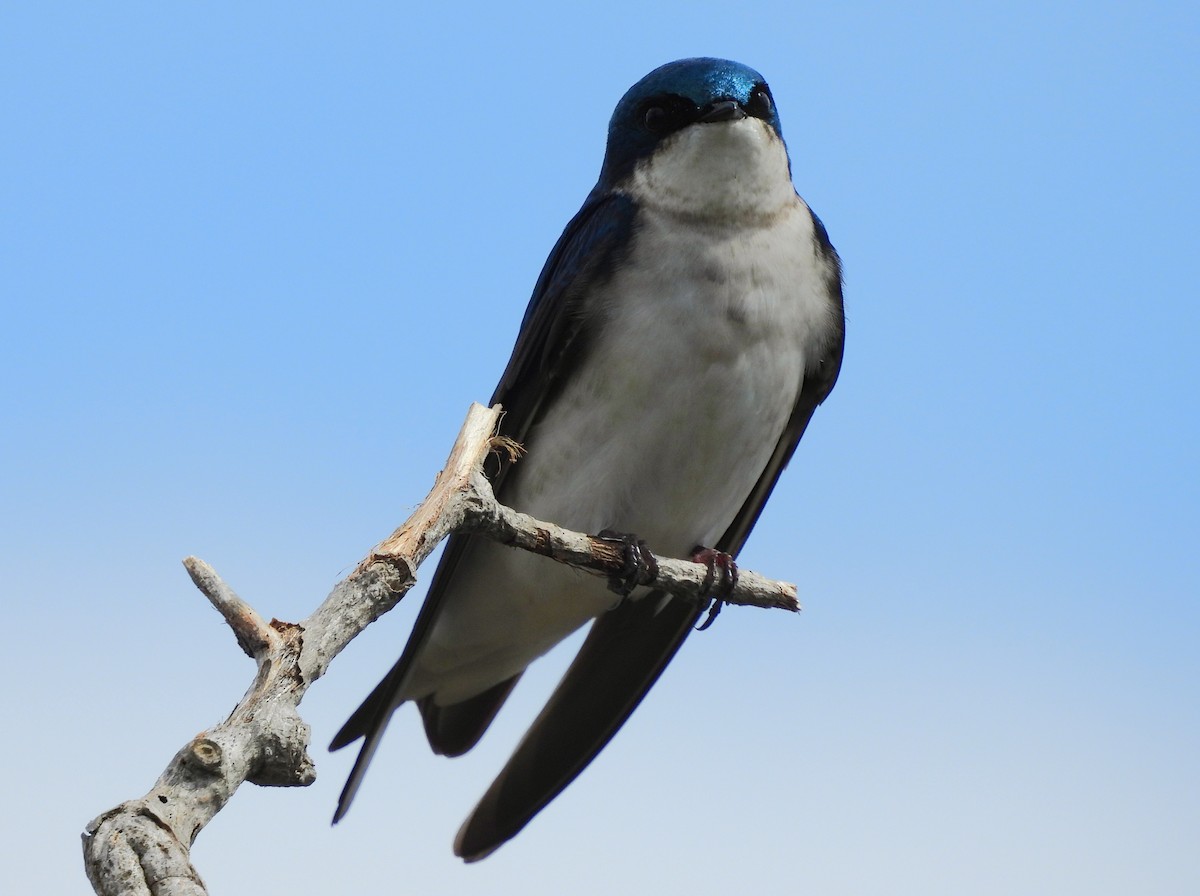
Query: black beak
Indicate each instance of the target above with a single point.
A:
(722, 110)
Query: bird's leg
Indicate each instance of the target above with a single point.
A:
(712, 587)
(640, 565)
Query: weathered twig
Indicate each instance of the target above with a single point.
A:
(142, 846)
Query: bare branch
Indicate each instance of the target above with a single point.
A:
(683, 578)
(142, 846)
(254, 636)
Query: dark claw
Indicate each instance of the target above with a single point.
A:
(711, 587)
(640, 565)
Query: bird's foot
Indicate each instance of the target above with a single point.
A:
(716, 588)
(640, 566)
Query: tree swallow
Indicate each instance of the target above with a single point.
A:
(682, 332)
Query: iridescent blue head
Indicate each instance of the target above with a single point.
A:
(677, 95)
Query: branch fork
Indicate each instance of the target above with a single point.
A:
(142, 846)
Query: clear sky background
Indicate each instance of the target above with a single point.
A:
(256, 260)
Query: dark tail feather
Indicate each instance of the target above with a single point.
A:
(372, 712)
(624, 654)
(453, 730)
(359, 771)
(370, 720)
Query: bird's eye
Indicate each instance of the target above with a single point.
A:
(663, 114)
(655, 118)
(760, 105)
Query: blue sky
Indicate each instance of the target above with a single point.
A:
(256, 261)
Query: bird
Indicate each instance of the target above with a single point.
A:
(683, 330)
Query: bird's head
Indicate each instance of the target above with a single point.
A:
(698, 126)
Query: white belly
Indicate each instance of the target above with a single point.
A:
(661, 432)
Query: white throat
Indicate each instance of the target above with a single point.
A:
(733, 171)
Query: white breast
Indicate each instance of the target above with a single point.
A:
(703, 338)
(707, 330)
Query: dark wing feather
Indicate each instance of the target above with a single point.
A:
(623, 655)
(553, 338)
(554, 332)
(628, 647)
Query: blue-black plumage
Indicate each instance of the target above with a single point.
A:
(683, 330)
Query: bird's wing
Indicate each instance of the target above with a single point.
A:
(627, 648)
(552, 340)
